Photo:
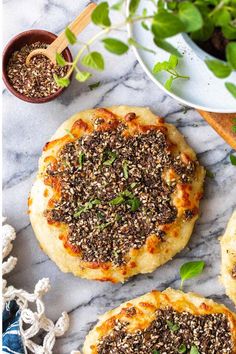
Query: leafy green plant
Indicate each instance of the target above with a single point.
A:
(199, 18)
(190, 270)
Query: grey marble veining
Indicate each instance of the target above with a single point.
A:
(27, 127)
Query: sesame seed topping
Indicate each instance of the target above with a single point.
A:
(115, 196)
(171, 333)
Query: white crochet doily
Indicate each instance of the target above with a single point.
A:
(30, 322)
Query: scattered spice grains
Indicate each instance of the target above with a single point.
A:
(209, 333)
(35, 80)
(110, 209)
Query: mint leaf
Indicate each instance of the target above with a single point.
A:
(161, 43)
(231, 54)
(232, 159)
(169, 83)
(115, 46)
(70, 36)
(82, 76)
(60, 60)
(160, 66)
(93, 60)
(133, 42)
(173, 327)
(134, 203)
(229, 32)
(190, 270)
(61, 81)
(222, 18)
(111, 158)
(219, 69)
(231, 88)
(118, 5)
(194, 350)
(133, 6)
(100, 15)
(166, 25)
(190, 16)
(182, 348)
(81, 160)
(95, 85)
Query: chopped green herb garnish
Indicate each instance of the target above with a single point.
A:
(70, 134)
(126, 197)
(104, 225)
(194, 350)
(100, 215)
(172, 326)
(125, 169)
(133, 185)
(232, 159)
(117, 200)
(209, 174)
(134, 203)
(84, 208)
(111, 158)
(156, 351)
(81, 160)
(182, 348)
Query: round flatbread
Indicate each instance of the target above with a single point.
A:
(228, 254)
(117, 193)
(167, 322)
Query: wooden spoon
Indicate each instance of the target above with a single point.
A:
(61, 42)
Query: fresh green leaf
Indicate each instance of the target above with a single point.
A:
(161, 43)
(222, 18)
(145, 26)
(204, 33)
(229, 32)
(133, 6)
(100, 15)
(111, 158)
(190, 16)
(133, 42)
(231, 88)
(156, 351)
(220, 69)
(81, 160)
(209, 174)
(82, 76)
(232, 159)
(134, 203)
(115, 46)
(231, 54)
(125, 169)
(87, 206)
(173, 61)
(105, 225)
(118, 5)
(70, 134)
(194, 350)
(117, 200)
(70, 36)
(61, 81)
(182, 348)
(93, 60)
(169, 82)
(190, 270)
(173, 327)
(60, 60)
(166, 25)
(95, 85)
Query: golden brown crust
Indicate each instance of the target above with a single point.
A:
(146, 306)
(228, 254)
(53, 238)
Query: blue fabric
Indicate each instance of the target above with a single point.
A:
(11, 338)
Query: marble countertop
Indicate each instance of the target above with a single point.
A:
(27, 127)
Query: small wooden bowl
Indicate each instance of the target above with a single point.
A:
(16, 43)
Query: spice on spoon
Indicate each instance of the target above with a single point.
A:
(35, 80)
